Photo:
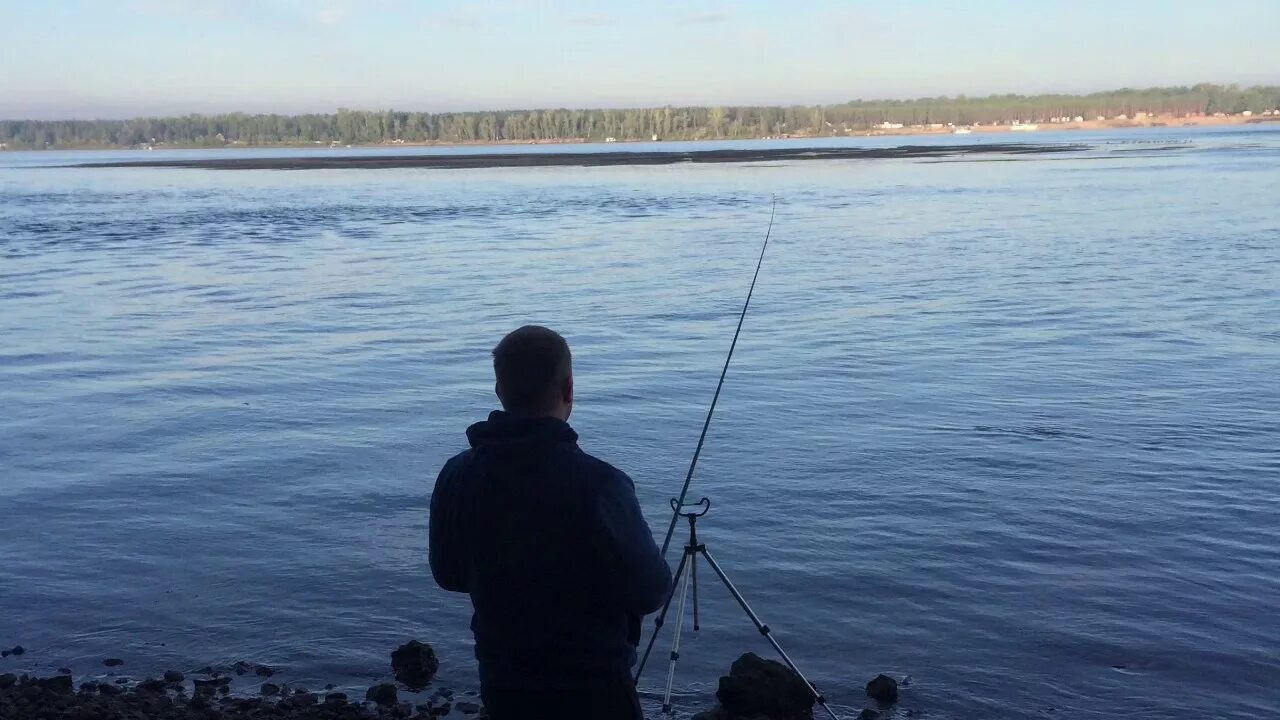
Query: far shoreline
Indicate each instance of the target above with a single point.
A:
(1154, 122)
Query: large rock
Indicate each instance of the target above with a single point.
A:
(414, 664)
(382, 694)
(756, 687)
(883, 689)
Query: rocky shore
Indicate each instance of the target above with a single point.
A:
(207, 694)
(754, 689)
(584, 159)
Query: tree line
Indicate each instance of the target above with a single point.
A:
(667, 123)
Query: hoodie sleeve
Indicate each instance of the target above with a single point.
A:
(446, 544)
(641, 575)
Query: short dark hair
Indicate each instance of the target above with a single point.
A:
(531, 364)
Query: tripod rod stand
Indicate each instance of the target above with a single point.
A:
(686, 577)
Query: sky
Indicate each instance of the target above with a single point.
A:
(125, 58)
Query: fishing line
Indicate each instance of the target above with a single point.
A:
(706, 425)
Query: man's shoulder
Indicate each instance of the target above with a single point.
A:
(454, 467)
(597, 469)
(462, 458)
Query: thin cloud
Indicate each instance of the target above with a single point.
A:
(331, 15)
(591, 20)
(708, 18)
(456, 20)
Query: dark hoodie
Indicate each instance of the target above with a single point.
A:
(551, 545)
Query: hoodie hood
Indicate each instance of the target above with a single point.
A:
(508, 438)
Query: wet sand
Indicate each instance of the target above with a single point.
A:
(589, 159)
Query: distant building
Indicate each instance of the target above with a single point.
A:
(1122, 116)
(1101, 118)
(1247, 113)
(886, 125)
(655, 137)
(1079, 118)
(611, 139)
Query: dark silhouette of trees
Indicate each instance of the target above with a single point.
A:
(668, 123)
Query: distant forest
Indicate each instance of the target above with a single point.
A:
(667, 123)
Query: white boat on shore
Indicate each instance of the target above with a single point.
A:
(961, 131)
(1024, 127)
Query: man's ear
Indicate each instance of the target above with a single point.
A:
(497, 390)
(567, 390)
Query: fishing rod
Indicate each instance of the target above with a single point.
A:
(706, 424)
(686, 574)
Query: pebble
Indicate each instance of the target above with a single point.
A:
(173, 676)
(382, 694)
(113, 662)
(108, 689)
(152, 685)
(270, 689)
(7, 680)
(467, 708)
(64, 671)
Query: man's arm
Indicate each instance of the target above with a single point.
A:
(446, 546)
(641, 575)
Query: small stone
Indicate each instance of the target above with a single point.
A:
(206, 670)
(382, 694)
(868, 714)
(152, 685)
(57, 683)
(173, 676)
(241, 667)
(467, 708)
(270, 689)
(329, 686)
(883, 689)
(88, 687)
(17, 650)
(335, 697)
(303, 699)
(298, 690)
(264, 671)
(7, 680)
(108, 689)
(64, 671)
(113, 662)
(224, 689)
(415, 664)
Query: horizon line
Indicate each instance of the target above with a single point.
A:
(1274, 85)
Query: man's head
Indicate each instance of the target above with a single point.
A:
(534, 373)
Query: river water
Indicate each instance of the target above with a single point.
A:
(1011, 428)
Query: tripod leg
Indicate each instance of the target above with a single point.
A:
(766, 632)
(675, 640)
(693, 570)
(657, 621)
